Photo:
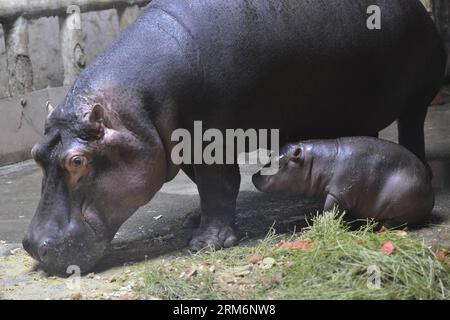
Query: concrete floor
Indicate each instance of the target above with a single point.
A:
(144, 236)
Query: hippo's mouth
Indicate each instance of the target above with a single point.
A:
(260, 181)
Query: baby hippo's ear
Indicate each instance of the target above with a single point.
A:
(296, 155)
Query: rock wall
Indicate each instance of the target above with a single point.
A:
(99, 30)
(3, 68)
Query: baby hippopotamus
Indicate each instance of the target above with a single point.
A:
(366, 177)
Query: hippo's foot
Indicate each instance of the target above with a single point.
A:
(212, 236)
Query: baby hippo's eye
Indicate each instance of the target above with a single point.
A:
(78, 162)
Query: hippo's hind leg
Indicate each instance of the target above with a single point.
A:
(411, 131)
(218, 186)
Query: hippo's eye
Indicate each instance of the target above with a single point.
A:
(78, 167)
(78, 161)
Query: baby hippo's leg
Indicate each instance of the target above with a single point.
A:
(331, 203)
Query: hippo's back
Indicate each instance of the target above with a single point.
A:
(379, 155)
(295, 63)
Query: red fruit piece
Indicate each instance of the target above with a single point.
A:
(438, 100)
(388, 248)
(383, 229)
(300, 245)
(255, 259)
(281, 245)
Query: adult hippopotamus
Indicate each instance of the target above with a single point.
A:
(363, 176)
(312, 69)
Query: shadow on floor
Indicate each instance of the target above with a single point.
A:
(256, 214)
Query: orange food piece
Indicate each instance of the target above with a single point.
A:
(281, 245)
(300, 245)
(255, 259)
(388, 248)
(383, 229)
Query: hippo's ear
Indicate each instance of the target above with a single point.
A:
(97, 114)
(296, 156)
(95, 118)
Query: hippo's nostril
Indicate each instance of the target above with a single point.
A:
(43, 249)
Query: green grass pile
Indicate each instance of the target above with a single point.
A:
(325, 261)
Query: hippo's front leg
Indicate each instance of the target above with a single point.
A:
(218, 186)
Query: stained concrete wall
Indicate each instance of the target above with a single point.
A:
(22, 122)
(99, 30)
(3, 67)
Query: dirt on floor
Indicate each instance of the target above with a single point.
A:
(21, 278)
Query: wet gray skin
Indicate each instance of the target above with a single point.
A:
(365, 177)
